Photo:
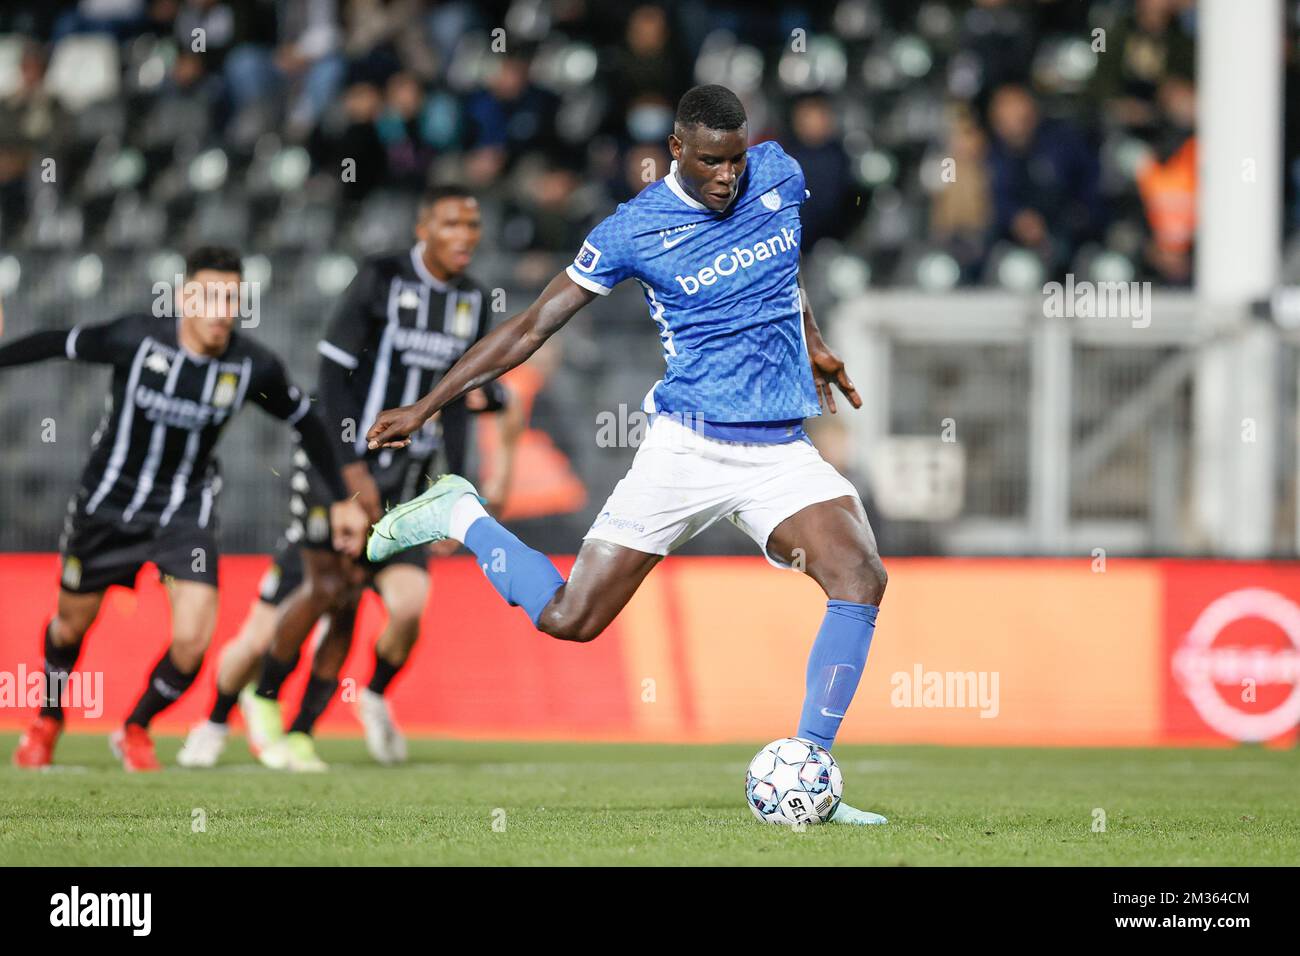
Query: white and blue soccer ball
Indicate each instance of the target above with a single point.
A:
(793, 780)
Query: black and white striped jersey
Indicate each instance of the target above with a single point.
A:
(152, 461)
(396, 332)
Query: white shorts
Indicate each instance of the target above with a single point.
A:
(681, 482)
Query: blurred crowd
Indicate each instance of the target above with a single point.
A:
(996, 142)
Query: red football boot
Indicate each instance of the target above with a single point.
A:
(133, 746)
(36, 746)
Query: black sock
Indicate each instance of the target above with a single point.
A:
(59, 662)
(222, 707)
(314, 701)
(274, 673)
(166, 684)
(383, 675)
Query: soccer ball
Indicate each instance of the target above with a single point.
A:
(793, 780)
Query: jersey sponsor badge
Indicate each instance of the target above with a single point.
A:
(223, 395)
(462, 320)
(588, 256)
(772, 199)
(318, 524)
(71, 572)
(270, 583)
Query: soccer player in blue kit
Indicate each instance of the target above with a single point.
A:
(715, 248)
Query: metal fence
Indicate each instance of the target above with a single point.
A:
(1069, 433)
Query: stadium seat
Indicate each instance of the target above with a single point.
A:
(84, 69)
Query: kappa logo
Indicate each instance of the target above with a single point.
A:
(588, 256)
(408, 299)
(772, 200)
(157, 362)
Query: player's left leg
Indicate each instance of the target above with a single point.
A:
(237, 667)
(333, 643)
(194, 618)
(838, 551)
(405, 589)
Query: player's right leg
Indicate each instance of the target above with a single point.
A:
(332, 647)
(237, 667)
(329, 578)
(62, 646)
(404, 585)
(96, 554)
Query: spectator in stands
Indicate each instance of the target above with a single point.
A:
(545, 215)
(1045, 179)
(32, 124)
(306, 59)
(996, 48)
(507, 118)
(357, 141)
(408, 129)
(1167, 183)
(1149, 45)
(121, 18)
(386, 36)
(642, 164)
(646, 64)
(649, 119)
(819, 149)
(206, 28)
(961, 213)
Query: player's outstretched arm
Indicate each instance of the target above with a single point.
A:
(36, 347)
(827, 367)
(105, 344)
(509, 344)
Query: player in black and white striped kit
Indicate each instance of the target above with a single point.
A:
(404, 320)
(149, 491)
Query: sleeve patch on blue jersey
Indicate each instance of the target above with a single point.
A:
(587, 258)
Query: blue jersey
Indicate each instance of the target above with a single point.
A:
(723, 289)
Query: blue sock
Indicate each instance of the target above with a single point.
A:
(835, 666)
(524, 577)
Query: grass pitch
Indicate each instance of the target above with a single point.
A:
(513, 803)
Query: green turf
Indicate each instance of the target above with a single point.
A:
(605, 804)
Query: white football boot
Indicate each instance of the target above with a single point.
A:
(203, 746)
(384, 741)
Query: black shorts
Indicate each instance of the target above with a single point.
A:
(309, 503)
(99, 552)
(286, 571)
(309, 527)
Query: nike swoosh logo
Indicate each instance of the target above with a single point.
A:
(676, 242)
(827, 713)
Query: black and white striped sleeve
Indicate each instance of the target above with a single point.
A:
(103, 343)
(275, 394)
(273, 391)
(349, 332)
